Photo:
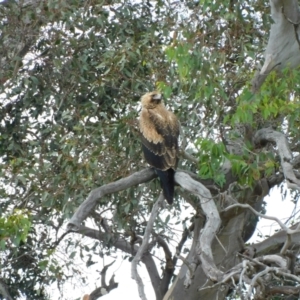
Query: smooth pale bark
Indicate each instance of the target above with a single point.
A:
(283, 49)
(268, 135)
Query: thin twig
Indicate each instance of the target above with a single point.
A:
(186, 263)
(282, 225)
(220, 244)
(288, 231)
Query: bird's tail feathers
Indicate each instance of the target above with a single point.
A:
(167, 183)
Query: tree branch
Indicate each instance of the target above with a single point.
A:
(287, 290)
(269, 135)
(283, 46)
(184, 237)
(125, 246)
(104, 289)
(95, 195)
(171, 262)
(274, 243)
(103, 274)
(169, 268)
(282, 225)
(288, 231)
(142, 249)
(189, 157)
(212, 225)
(266, 271)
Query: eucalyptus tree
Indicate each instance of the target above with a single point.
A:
(72, 74)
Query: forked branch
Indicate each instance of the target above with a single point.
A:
(105, 288)
(265, 135)
(211, 227)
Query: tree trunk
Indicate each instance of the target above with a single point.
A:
(238, 226)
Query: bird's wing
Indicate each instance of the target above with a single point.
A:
(160, 139)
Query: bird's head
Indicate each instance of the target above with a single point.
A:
(151, 100)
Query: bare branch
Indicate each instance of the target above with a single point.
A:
(266, 271)
(286, 245)
(291, 276)
(164, 245)
(262, 262)
(269, 135)
(213, 222)
(282, 225)
(56, 243)
(191, 270)
(287, 290)
(273, 259)
(170, 266)
(95, 195)
(221, 245)
(104, 289)
(288, 231)
(244, 270)
(274, 243)
(189, 157)
(134, 273)
(184, 237)
(118, 242)
(171, 262)
(103, 274)
(123, 245)
(239, 273)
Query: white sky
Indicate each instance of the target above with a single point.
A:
(276, 207)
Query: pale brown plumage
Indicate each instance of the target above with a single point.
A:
(159, 134)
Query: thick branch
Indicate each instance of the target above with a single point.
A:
(283, 46)
(213, 222)
(287, 290)
(274, 243)
(269, 135)
(95, 195)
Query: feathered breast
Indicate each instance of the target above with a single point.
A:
(159, 134)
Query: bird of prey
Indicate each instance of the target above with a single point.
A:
(159, 135)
